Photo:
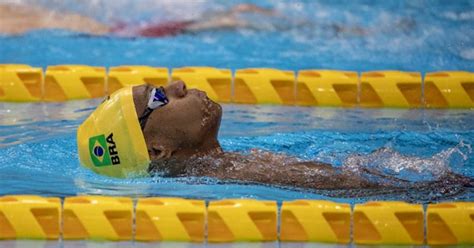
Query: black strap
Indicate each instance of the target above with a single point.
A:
(144, 117)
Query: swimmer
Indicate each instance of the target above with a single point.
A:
(18, 19)
(172, 132)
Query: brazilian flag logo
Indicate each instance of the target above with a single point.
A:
(99, 151)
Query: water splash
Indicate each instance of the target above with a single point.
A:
(389, 163)
(411, 178)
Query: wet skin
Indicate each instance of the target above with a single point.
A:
(186, 126)
(181, 138)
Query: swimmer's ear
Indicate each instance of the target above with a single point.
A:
(160, 151)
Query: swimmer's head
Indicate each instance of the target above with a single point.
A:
(186, 126)
(111, 140)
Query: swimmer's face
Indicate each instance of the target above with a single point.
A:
(186, 126)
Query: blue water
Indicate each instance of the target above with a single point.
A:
(413, 35)
(37, 141)
(38, 150)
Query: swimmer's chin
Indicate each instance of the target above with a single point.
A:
(216, 106)
(212, 106)
(217, 109)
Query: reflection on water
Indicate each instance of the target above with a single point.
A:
(37, 121)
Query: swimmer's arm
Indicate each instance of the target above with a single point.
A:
(230, 19)
(19, 18)
(226, 22)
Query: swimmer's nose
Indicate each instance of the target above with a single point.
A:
(176, 89)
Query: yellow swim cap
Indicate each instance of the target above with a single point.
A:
(110, 141)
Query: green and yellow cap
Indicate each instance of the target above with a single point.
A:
(110, 141)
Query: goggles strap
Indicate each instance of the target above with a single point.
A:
(146, 113)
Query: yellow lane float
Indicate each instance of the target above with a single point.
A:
(316, 221)
(124, 75)
(400, 89)
(264, 85)
(327, 88)
(29, 217)
(388, 223)
(450, 223)
(241, 220)
(449, 89)
(98, 218)
(20, 83)
(170, 219)
(390, 89)
(69, 82)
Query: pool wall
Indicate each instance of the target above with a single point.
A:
(399, 89)
(234, 220)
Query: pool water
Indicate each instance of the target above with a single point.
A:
(38, 152)
(38, 140)
(416, 35)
